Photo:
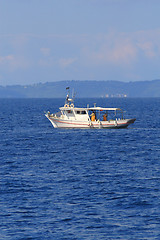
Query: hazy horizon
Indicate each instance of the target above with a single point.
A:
(92, 80)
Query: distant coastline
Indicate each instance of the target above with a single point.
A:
(83, 89)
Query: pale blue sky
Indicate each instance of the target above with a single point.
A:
(53, 40)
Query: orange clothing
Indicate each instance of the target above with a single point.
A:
(104, 117)
(93, 118)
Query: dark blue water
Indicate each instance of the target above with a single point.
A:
(79, 184)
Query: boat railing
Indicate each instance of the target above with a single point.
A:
(54, 115)
(57, 115)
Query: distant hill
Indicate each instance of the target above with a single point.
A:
(83, 89)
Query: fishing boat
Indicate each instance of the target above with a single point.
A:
(96, 117)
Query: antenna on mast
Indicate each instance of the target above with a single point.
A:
(67, 88)
(73, 94)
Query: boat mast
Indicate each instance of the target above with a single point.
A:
(69, 101)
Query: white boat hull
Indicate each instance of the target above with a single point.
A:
(61, 123)
(70, 116)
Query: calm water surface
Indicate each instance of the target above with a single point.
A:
(79, 184)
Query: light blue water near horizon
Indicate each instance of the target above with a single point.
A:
(79, 184)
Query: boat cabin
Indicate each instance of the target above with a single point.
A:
(75, 113)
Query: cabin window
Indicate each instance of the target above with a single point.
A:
(80, 112)
(70, 111)
(83, 112)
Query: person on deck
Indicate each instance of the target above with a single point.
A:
(93, 117)
(105, 117)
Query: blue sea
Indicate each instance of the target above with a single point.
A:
(79, 184)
